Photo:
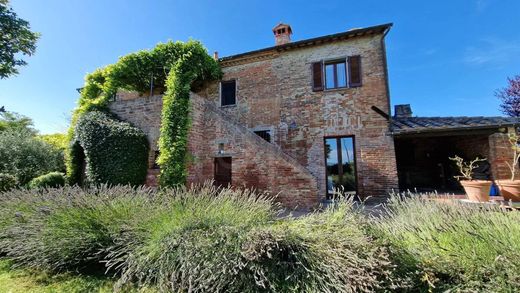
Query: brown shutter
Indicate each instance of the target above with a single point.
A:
(354, 71)
(317, 76)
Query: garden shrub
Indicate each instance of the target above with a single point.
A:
(7, 182)
(199, 240)
(52, 179)
(69, 228)
(58, 140)
(26, 157)
(115, 152)
(194, 243)
(173, 66)
(454, 246)
(322, 252)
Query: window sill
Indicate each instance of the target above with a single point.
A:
(228, 106)
(338, 89)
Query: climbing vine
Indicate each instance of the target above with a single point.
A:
(175, 67)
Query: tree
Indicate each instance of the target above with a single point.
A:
(510, 97)
(15, 38)
(58, 140)
(25, 157)
(11, 121)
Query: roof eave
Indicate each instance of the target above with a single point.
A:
(378, 29)
(454, 129)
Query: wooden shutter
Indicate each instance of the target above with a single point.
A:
(317, 76)
(354, 71)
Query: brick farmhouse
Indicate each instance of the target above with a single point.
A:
(301, 119)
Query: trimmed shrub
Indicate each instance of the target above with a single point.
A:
(53, 179)
(114, 152)
(26, 157)
(7, 182)
(455, 246)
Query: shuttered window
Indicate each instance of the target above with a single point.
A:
(354, 71)
(317, 76)
(228, 92)
(335, 74)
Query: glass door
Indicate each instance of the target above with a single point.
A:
(340, 166)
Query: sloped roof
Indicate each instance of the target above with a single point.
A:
(409, 125)
(378, 29)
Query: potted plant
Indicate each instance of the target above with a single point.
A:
(476, 190)
(510, 189)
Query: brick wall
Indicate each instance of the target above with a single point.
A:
(274, 90)
(256, 163)
(500, 154)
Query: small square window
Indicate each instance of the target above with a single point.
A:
(336, 74)
(265, 134)
(228, 93)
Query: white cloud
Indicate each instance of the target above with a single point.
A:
(492, 52)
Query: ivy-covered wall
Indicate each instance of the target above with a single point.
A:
(177, 68)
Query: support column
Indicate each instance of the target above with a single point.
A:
(499, 153)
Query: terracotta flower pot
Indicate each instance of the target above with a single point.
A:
(477, 190)
(509, 189)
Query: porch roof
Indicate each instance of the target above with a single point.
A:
(415, 125)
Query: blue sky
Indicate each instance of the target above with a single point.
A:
(445, 57)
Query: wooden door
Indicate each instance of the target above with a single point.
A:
(223, 171)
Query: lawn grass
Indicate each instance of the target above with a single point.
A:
(19, 280)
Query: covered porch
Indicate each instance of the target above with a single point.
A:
(423, 146)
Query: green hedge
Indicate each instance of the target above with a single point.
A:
(115, 152)
(53, 179)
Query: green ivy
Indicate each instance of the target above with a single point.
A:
(175, 67)
(192, 67)
(115, 152)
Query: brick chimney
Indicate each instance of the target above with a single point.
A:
(403, 110)
(282, 34)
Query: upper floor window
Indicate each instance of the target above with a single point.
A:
(336, 74)
(228, 92)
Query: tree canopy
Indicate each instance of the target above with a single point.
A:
(510, 97)
(16, 39)
(11, 121)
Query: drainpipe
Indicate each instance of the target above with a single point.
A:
(385, 64)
